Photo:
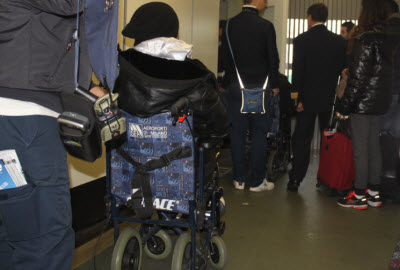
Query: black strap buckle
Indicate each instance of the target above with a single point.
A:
(166, 159)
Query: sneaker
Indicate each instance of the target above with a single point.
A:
(374, 201)
(238, 185)
(351, 201)
(265, 185)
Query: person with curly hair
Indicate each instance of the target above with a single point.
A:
(366, 99)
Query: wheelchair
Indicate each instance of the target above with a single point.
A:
(185, 197)
(279, 149)
(279, 140)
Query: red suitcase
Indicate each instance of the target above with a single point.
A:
(336, 164)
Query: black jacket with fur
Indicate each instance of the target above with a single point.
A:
(369, 86)
(148, 85)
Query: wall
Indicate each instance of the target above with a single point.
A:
(81, 172)
(198, 21)
(205, 32)
(281, 11)
(339, 11)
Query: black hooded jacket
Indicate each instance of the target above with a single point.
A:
(148, 85)
(38, 52)
(369, 87)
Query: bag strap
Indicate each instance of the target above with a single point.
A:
(163, 161)
(234, 62)
(141, 199)
(166, 159)
(75, 37)
(141, 196)
(333, 108)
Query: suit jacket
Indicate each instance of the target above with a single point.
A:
(319, 56)
(253, 42)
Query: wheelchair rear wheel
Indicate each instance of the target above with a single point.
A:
(278, 161)
(272, 170)
(159, 246)
(127, 253)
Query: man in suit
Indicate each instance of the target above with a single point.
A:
(253, 42)
(318, 59)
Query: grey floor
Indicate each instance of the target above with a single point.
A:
(278, 230)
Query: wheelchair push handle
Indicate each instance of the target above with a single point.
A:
(179, 109)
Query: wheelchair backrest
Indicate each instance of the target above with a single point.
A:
(149, 138)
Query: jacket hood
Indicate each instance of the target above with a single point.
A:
(163, 69)
(156, 83)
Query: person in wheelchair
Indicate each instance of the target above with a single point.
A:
(155, 75)
(159, 70)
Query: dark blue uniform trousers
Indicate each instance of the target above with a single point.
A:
(35, 219)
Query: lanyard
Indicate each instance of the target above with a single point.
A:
(237, 72)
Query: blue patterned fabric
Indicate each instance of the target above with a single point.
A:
(149, 138)
(275, 114)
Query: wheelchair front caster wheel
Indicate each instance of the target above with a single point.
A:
(217, 252)
(159, 246)
(127, 253)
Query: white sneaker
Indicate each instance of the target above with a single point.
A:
(237, 185)
(265, 185)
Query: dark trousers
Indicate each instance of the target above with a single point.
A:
(301, 141)
(390, 138)
(260, 125)
(35, 219)
(390, 122)
(366, 150)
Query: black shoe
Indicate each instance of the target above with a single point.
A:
(293, 185)
(351, 201)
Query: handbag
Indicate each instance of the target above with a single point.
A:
(79, 128)
(253, 99)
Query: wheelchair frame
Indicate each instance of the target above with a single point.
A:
(165, 220)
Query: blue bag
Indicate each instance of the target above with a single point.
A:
(253, 99)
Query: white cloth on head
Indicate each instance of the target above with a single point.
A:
(167, 48)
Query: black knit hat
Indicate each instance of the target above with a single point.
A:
(152, 20)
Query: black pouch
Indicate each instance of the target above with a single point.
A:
(79, 128)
